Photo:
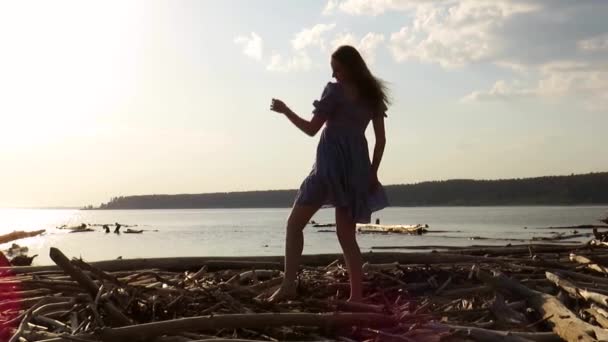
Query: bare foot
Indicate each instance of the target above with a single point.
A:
(285, 292)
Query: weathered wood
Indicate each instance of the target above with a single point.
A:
(480, 334)
(575, 291)
(506, 250)
(16, 235)
(264, 262)
(564, 322)
(245, 321)
(62, 261)
(580, 226)
(391, 280)
(99, 274)
(466, 291)
(596, 242)
(598, 317)
(583, 277)
(39, 307)
(561, 236)
(505, 314)
(242, 321)
(588, 263)
(417, 229)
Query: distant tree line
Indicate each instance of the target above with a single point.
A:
(574, 189)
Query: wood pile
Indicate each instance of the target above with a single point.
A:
(512, 293)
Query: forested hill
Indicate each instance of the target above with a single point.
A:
(575, 189)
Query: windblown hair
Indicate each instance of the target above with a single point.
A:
(372, 89)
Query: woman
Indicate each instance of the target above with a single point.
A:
(342, 175)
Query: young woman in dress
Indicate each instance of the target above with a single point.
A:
(343, 175)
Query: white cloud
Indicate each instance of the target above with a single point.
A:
(588, 82)
(298, 62)
(252, 45)
(597, 43)
(310, 37)
(302, 43)
(541, 42)
(501, 90)
(367, 45)
(454, 34)
(330, 7)
(370, 7)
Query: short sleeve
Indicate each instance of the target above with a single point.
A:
(328, 102)
(382, 110)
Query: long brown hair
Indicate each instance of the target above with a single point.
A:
(372, 89)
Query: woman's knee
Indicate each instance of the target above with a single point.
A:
(294, 224)
(299, 216)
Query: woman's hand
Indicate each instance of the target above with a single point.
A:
(279, 106)
(373, 182)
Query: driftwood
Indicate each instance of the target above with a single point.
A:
(576, 291)
(16, 235)
(505, 314)
(598, 317)
(264, 262)
(241, 321)
(505, 250)
(327, 321)
(480, 334)
(581, 226)
(588, 263)
(561, 236)
(565, 323)
(407, 297)
(401, 229)
(62, 261)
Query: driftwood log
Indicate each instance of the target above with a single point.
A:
(577, 291)
(589, 263)
(263, 262)
(565, 322)
(428, 296)
(87, 284)
(16, 235)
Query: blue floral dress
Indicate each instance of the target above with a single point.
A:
(341, 174)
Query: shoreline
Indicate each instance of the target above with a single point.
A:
(593, 205)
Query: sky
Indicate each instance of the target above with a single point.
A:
(112, 98)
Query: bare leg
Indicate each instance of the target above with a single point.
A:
(346, 231)
(294, 244)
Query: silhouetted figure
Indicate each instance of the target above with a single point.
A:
(117, 229)
(83, 226)
(377, 221)
(346, 107)
(105, 226)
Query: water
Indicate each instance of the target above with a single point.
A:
(227, 232)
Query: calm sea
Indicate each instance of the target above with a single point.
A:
(227, 232)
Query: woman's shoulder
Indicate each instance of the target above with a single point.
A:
(333, 86)
(333, 89)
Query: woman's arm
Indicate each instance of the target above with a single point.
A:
(380, 134)
(309, 127)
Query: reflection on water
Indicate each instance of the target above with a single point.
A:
(222, 232)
